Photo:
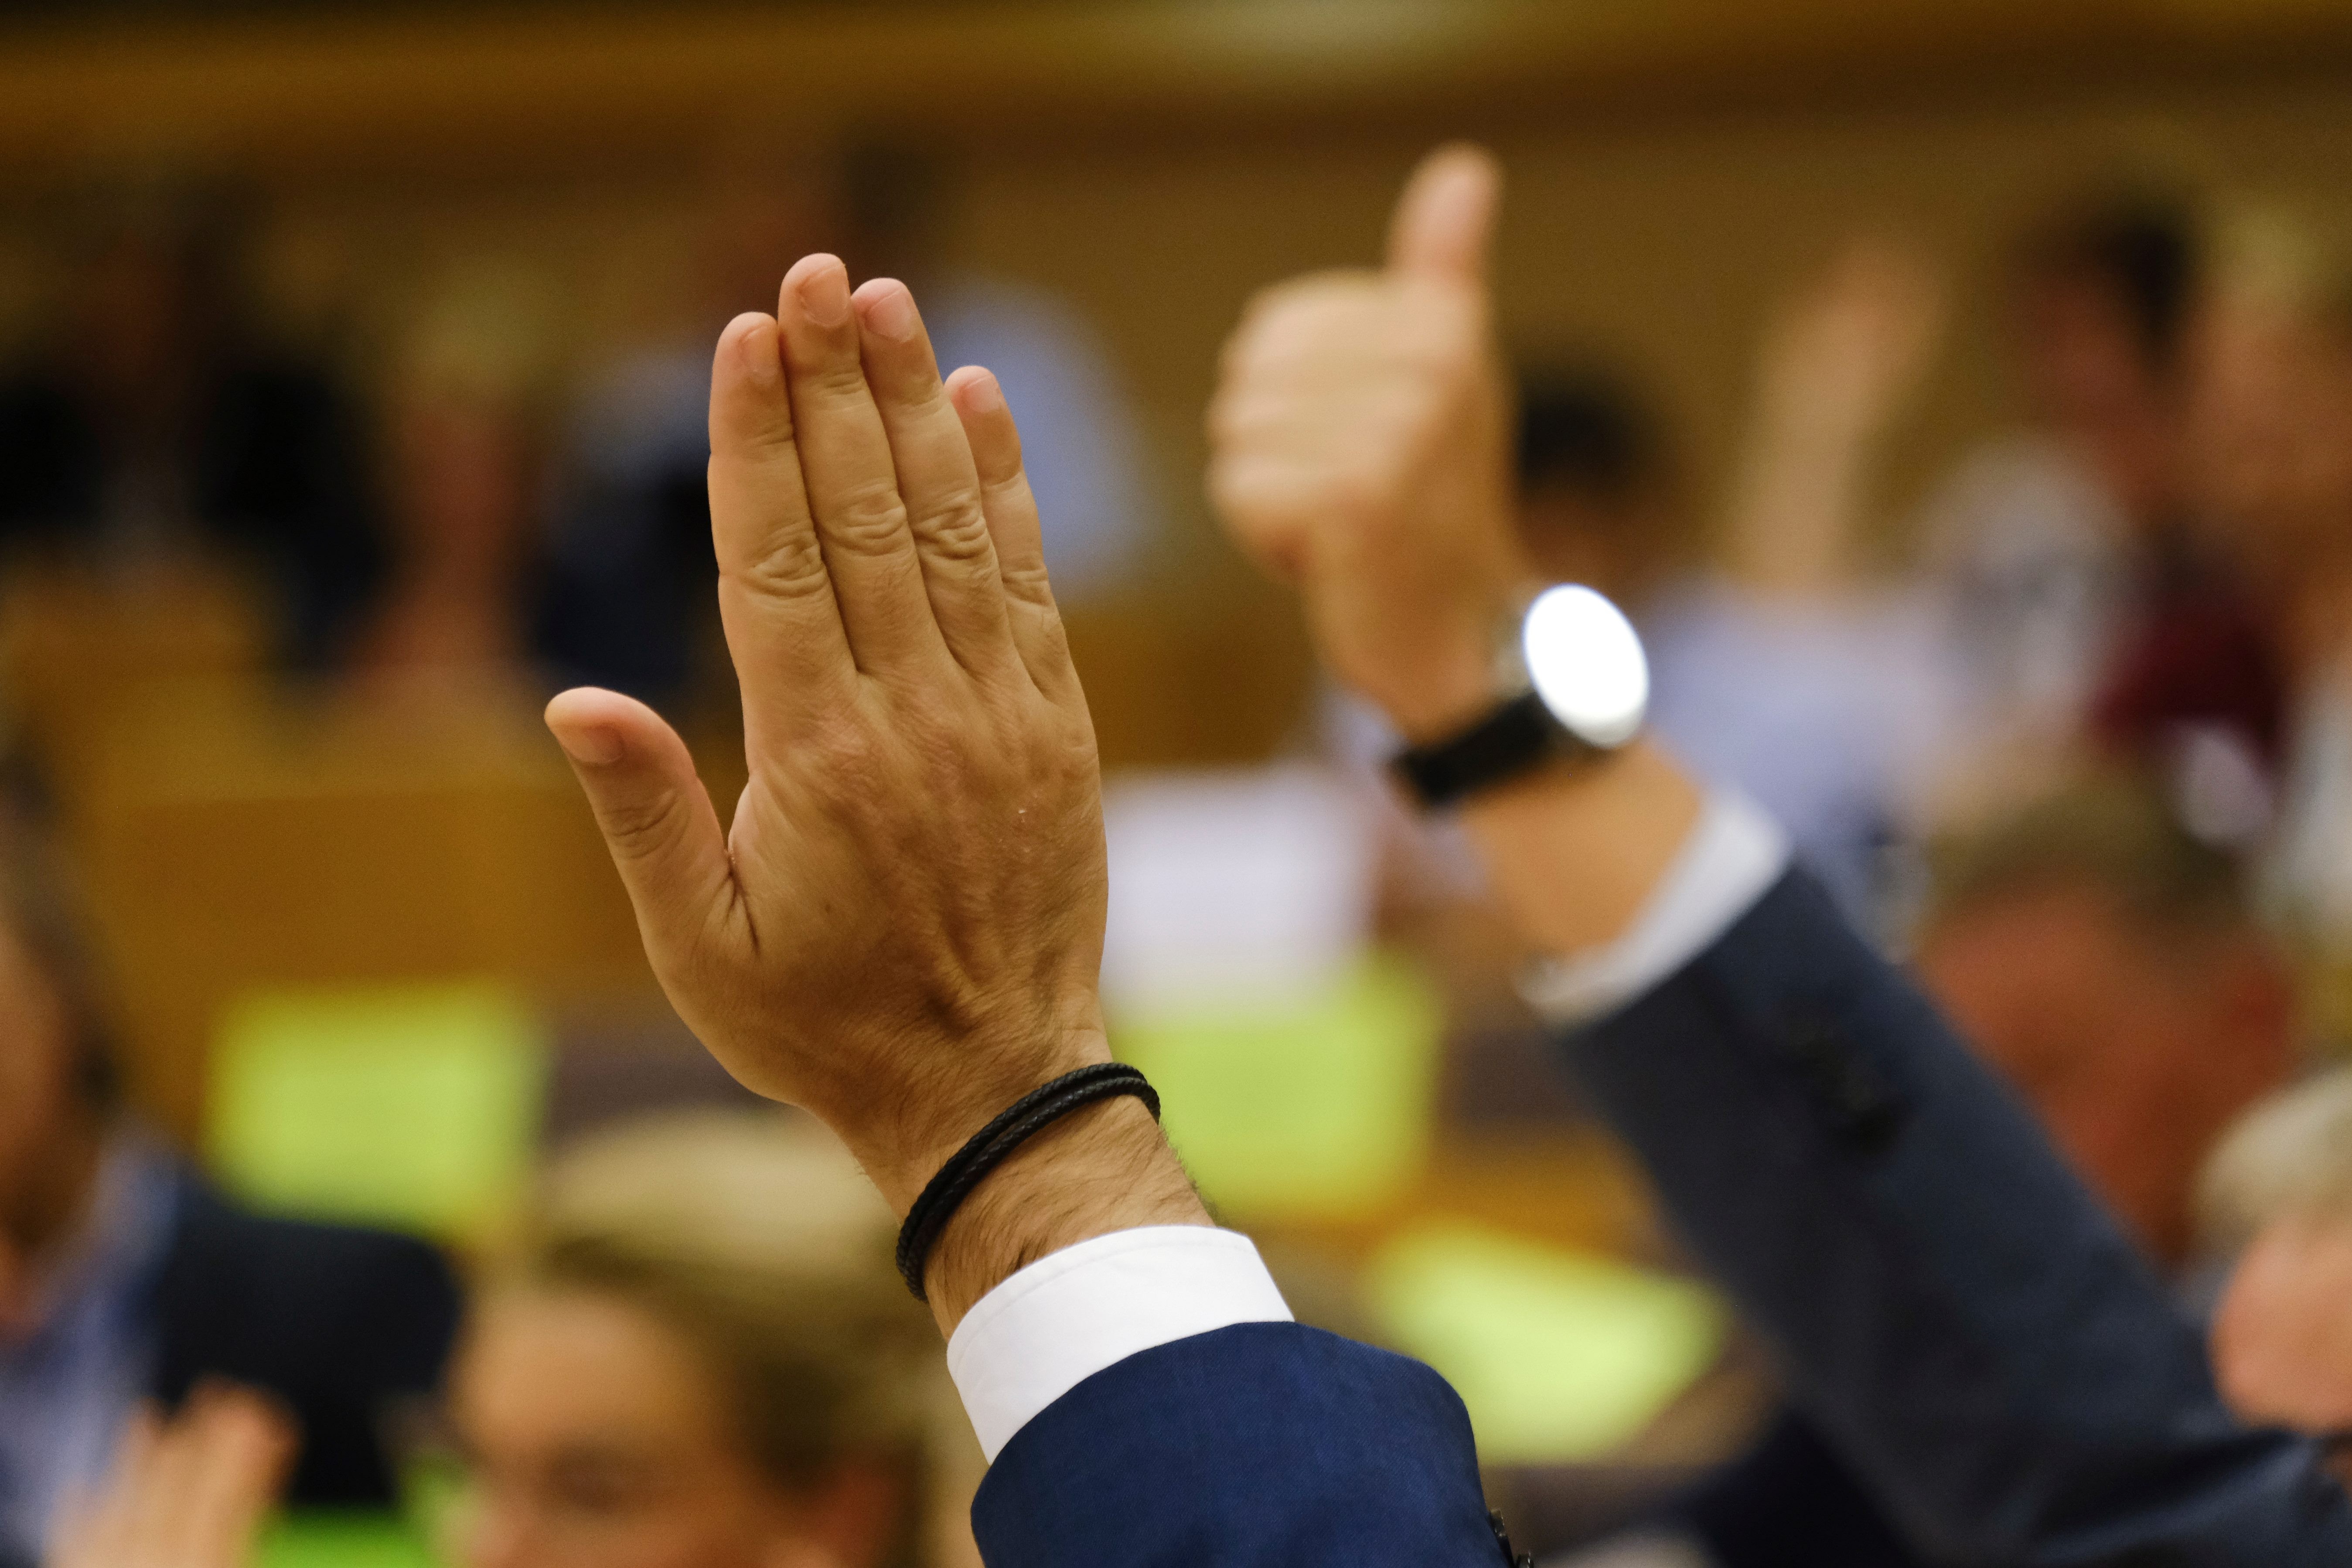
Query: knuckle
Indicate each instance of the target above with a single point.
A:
(844, 754)
(869, 518)
(642, 828)
(956, 529)
(770, 432)
(788, 565)
(838, 378)
(998, 459)
(1053, 637)
(1029, 582)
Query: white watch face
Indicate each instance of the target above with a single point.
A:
(1587, 664)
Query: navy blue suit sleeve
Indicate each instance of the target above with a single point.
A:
(1259, 1446)
(1949, 1306)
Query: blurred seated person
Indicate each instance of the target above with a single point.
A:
(157, 428)
(704, 1355)
(2274, 440)
(2110, 967)
(123, 1276)
(2278, 1199)
(630, 598)
(463, 476)
(1776, 670)
(2067, 559)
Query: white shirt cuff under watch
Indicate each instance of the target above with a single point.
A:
(1084, 1309)
(1734, 854)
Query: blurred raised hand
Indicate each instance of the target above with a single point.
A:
(1361, 450)
(2281, 1339)
(1839, 362)
(1848, 351)
(901, 929)
(190, 1492)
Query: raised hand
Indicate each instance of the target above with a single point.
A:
(187, 1493)
(1843, 353)
(902, 928)
(1361, 450)
(1839, 361)
(2281, 1340)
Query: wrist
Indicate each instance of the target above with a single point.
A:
(902, 1137)
(1103, 1168)
(1451, 691)
(1454, 678)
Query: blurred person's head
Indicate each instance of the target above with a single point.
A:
(465, 422)
(2106, 962)
(1596, 483)
(2278, 1196)
(2102, 291)
(150, 281)
(883, 207)
(704, 1358)
(763, 208)
(897, 202)
(57, 1080)
(2272, 414)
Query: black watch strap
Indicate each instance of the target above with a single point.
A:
(1513, 737)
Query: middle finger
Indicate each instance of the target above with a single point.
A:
(853, 485)
(938, 479)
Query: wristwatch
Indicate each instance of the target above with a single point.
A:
(1575, 685)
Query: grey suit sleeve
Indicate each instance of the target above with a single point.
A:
(1948, 1303)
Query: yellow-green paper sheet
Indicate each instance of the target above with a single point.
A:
(415, 1107)
(1560, 1357)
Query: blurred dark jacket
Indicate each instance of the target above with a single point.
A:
(1789, 1502)
(343, 1324)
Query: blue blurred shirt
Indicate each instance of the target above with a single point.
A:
(68, 1386)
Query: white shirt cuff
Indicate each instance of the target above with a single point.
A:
(1072, 1314)
(1734, 852)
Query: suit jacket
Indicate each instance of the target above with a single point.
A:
(340, 1324)
(1957, 1316)
(1970, 1333)
(1258, 1445)
(1789, 1502)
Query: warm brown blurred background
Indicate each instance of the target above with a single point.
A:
(1673, 168)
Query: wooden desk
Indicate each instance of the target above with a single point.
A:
(234, 838)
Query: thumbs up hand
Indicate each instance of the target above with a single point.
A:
(1361, 450)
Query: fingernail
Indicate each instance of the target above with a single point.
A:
(756, 348)
(825, 294)
(890, 310)
(981, 394)
(593, 747)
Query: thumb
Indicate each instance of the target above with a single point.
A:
(1446, 216)
(656, 817)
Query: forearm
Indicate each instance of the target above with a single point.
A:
(1577, 851)
(1795, 508)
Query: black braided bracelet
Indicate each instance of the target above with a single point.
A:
(990, 1147)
